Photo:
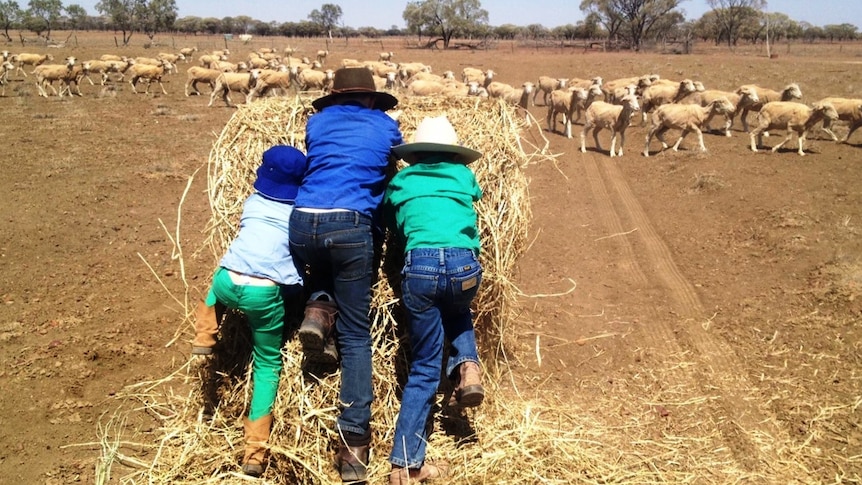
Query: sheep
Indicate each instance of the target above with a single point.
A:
(764, 95)
(703, 98)
(849, 110)
(615, 117)
(207, 60)
(321, 56)
(547, 84)
(25, 59)
(456, 89)
(570, 102)
(119, 67)
(685, 117)
(497, 89)
(240, 82)
(425, 87)
(351, 63)
(610, 87)
(406, 70)
(586, 83)
(790, 116)
(268, 79)
(5, 67)
(381, 69)
(96, 67)
(46, 74)
(223, 53)
(198, 74)
(471, 74)
(225, 66)
(173, 58)
(311, 80)
(149, 74)
(385, 56)
(112, 57)
(385, 83)
(660, 93)
(187, 52)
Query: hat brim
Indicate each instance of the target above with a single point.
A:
(383, 101)
(277, 192)
(408, 151)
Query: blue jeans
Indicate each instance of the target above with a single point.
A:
(437, 288)
(334, 252)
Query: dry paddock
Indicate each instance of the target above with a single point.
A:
(766, 245)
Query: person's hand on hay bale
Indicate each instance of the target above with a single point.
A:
(441, 277)
(256, 276)
(334, 238)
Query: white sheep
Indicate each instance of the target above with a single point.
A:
(386, 83)
(321, 56)
(498, 89)
(610, 87)
(849, 110)
(472, 74)
(312, 80)
(187, 52)
(5, 68)
(112, 57)
(46, 74)
(281, 80)
(96, 67)
(571, 103)
(119, 67)
(742, 96)
(26, 59)
(385, 56)
(586, 83)
(198, 74)
(685, 117)
(172, 58)
(406, 70)
(790, 116)
(659, 93)
(546, 85)
(425, 87)
(148, 73)
(765, 95)
(615, 117)
(241, 82)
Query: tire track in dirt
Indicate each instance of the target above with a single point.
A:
(720, 375)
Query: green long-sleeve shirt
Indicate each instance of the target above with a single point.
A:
(430, 205)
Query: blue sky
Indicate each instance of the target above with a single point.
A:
(550, 13)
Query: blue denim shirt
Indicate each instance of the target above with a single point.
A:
(262, 247)
(348, 150)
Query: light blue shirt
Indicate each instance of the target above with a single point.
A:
(262, 247)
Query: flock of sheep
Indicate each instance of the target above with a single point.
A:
(613, 105)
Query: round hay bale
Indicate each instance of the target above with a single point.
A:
(205, 440)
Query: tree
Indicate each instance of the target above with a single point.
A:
(43, 15)
(606, 14)
(327, 17)
(445, 18)
(10, 13)
(77, 16)
(733, 14)
(188, 25)
(122, 15)
(156, 16)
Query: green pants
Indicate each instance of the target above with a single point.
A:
(264, 308)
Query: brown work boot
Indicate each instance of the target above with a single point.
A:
(468, 390)
(353, 463)
(327, 356)
(256, 436)
(317, 326)
(429, 471)
(206, 328)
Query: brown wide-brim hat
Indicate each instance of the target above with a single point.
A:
(355, 80)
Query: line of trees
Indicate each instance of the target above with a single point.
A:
(626, 23)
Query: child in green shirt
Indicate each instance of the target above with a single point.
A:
(429, 205)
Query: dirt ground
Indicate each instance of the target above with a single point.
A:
(712, 299)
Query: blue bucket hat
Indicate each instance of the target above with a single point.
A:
(280, 174)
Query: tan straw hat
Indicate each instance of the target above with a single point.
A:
(435, 134)
(353, 80)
